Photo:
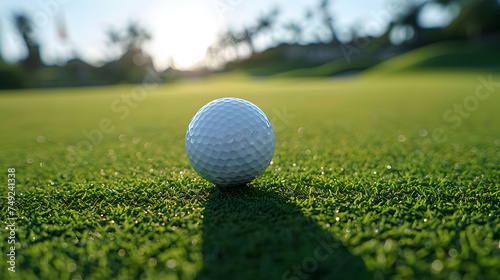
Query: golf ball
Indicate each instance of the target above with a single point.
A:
(230, 141)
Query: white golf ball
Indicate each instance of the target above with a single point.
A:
(230, 142)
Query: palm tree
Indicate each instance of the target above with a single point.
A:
(327, 19)
(228, 42)
(266, 21)
(136, 36)
(296, 30)
(247, 37)
(25, 29)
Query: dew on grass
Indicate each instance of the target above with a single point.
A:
(453, 252)
(72, 267)
(437, 266)
(171, 263)
(152, 262)
(121, 252)
(136, 140)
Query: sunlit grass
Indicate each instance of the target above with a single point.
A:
(356, 160)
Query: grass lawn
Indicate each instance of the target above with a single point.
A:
(368, 181)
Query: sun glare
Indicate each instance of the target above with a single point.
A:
(182, 34)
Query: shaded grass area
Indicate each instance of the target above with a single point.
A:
(357, 165)
(335, 68)
(452, 56)
(271, 238)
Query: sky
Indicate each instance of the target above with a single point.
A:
(181, 30)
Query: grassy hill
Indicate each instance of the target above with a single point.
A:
(444, 56)
(338, 67)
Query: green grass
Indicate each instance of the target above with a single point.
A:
(337, 67)
(359, 187)
(451, 56)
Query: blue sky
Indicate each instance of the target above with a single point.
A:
(181, 30)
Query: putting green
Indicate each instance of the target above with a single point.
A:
(393, 176)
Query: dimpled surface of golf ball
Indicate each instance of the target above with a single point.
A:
(230, 142)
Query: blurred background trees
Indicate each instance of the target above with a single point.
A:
(299, 43)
